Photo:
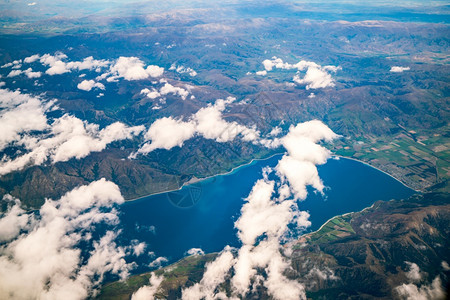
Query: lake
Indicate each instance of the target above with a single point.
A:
(201, 215)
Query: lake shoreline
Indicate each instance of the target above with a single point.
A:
(206, 178)
(333, 156)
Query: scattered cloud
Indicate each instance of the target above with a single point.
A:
(263, 224)
(208, 122)
(14, 73)
(30, 74)
(195, 251)
(182, 70)
(413, 292)
(32, 58)
(261, 73)
(316, 76)
(157, 263)
(152, 94)
(413, 273)
(131, 68)
(87, 85)
(396, 69)
(19, 114)
(138, 248)
(42, 260)
(58, 139)
(148, 291)
(215, 274)
(170, 89)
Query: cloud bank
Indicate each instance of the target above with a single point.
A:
(40, 259)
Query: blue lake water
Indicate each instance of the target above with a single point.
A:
(202, 215)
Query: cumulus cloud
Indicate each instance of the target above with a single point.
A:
(170, 89)
(152, 94)
(138, 248)
(58, 65)
(182, 70)
(214, 275)
(30, 74)
(208, 122)
(413, 292)
(42, 260)
(264, 222)
(195, 251)
(148, 291)
(87, 85)
(14, 73)
(413, 273)
(57, 139)
(397, 69)
(157, 263)
(32, 58)
(261, 73)
(167, 133)
(316, 76)
(132, 68)
(20, 113)
(55, 62)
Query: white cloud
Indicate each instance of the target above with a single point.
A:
(14, 73)
(157, 263)
(167, 133)
(7, 65)
(153, 94)
(397, 69)
(207, 122)
(148, 292)
(316, 76)
(182, 70)
(42, 261)
(261, 73)
(413, 273)
(138, 248)
(59, 66)
(32, 58)
(425, 292)
(13, 220)
(275, 131)
(263, 224)
(89, 63)
(132, 68)
(87, 85)
(170, 89)
(195, 251)
(31, 4)
(214, 275)
(20, 113)
(30, 74)
(56, 140)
